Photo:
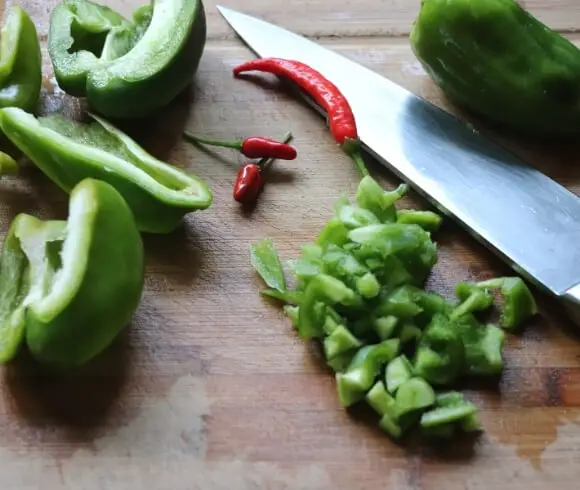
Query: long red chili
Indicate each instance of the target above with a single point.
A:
(252, 146)
(340, 116)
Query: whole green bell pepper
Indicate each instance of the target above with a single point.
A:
(69, 287)
(126, 69)
(20, 61)
(495, 59)
(67, 152)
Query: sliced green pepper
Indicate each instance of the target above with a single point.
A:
(126, 69)
(67, 152)
(20, 61)
(68, 287)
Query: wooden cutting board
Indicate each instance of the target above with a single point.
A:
(209, 388)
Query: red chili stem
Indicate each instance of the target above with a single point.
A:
(252, 146)
(340, 116)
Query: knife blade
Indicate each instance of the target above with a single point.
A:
(527, 219)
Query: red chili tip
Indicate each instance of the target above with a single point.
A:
(248, 183)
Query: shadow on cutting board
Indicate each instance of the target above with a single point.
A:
(75, 404)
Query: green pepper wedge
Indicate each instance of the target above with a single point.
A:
(20, 61)
(67, 152)
(126, 69)
(67, 287)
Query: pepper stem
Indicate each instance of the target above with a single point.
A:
(265, 162)
(236, 144)
(359, 164)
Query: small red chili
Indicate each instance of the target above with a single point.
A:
(248, 183)
(340, 116)
(252, 146)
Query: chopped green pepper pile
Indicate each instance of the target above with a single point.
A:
(390, 343)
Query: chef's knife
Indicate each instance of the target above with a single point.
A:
(526, 218)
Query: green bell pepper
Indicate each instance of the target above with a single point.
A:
(67, 287)
(126, 69)
(20, 61)
(67, 152)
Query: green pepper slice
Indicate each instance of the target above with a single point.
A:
(66, 286)
(126, 69)
(20, 61)
(67, 152)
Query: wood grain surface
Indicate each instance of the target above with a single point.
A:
(209, 388)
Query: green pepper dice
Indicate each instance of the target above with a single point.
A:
(67, 287)
(20, 61)
(158, 194)
(126, 69)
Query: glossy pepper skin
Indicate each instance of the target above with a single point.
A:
(67, 152)
(497, 60)
(126, 69)
(20, 61)
(248, 183)
(70, 287)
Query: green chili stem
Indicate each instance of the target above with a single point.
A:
(212, 142)
(359, 164)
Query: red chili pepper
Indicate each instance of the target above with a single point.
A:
(340, 116)
(252, 146)
(248, 183)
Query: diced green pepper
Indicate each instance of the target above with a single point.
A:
(483, 348)
(379, 400)
(519, 303)
(370, 195)
(334, 233)
(428, 220)
(353, 384)
(398, 372)
(126, 69)
(445, 415)
(400, 303)
(385, 326)
(472, 299)
(440, 355)
(341, 340)
(368, 286)
(414, 395)
(67, 152)
(326, 289)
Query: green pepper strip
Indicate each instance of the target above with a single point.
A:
(158, 194)
(67, 286)
(20, 61)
